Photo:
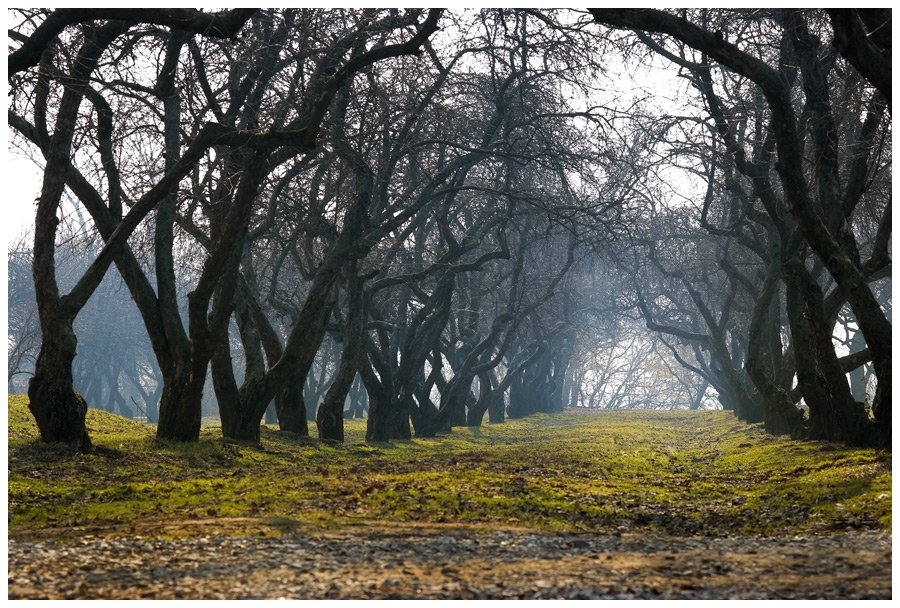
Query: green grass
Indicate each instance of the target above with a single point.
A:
(669, 472)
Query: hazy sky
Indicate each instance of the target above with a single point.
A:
(22, 185)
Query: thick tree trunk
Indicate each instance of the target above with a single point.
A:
(833, 414)
(398, 418)
(458, 413)
(330, 417)
(882, 409)
(424, 414)
(453, 404)
(517, 399)
(180, 406)
(497, 409)
(557, 399)
(292, 413)
(530, 392)
(238, 423)
(486, 397)
(58, 410)
(288, 375)
(388, 416)
(378, 429)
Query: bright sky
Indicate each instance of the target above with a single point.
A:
(21, 185)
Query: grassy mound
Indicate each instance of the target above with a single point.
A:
(673, 472)
(102, 426)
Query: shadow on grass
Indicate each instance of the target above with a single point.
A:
(40, 452)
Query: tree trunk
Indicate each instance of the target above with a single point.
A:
(180, 405)
(882, 409)
(398, 418)
(497, 409)
(378, 425)
(517, 397)
(453, 403)
(292, 412)
(357, 400)
(858, 375)
(330, 417)
(833, 414)
(238, 423)
(58, 410)
(486, 397)
(782, 417)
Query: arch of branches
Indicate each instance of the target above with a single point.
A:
(431, 218)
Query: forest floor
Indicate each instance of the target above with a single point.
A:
(574, 505)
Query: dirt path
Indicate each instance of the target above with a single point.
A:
(451, 562)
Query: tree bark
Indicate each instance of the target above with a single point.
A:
(486, 397)
(833, 414)
(58, 410)
(782, 417)
(330, 417)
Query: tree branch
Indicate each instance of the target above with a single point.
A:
(216, 25)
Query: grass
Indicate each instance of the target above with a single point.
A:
(671, 472)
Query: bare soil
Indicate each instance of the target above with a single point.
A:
(441, 562)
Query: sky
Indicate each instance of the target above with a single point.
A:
(21, 185)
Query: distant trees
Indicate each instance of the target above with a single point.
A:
(23, 327)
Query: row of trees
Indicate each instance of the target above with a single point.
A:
(790, 134)
(444, 217)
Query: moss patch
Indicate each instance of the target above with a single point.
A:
(674, 472)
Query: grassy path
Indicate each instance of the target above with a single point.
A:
(681, 473)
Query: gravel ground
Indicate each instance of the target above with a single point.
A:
(438, 562)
